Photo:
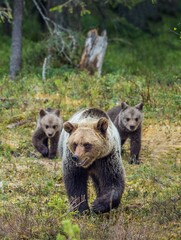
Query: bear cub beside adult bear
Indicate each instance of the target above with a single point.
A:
(128, 121)
(89, 145)
(49, 126)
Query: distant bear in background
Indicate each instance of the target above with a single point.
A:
(128, 121)
(49, 127)
(89, 145)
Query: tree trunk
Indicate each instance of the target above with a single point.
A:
(94, 51)
(15, 62)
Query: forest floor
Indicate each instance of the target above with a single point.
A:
(34, 203)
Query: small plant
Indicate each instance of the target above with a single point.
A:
(70, 231)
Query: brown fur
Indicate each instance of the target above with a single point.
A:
(87, 149)
(89, 146)
(128, 121)
(49, 126)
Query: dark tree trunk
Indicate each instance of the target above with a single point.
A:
(15, 62)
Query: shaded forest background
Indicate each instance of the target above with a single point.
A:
(56, 31)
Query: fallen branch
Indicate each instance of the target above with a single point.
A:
(19, 123)
(75, 203)
(8, 99)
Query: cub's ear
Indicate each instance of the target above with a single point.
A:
(139, 106)
(42, 113)
(102, 125)
(57, 112)
(70, 127)
(124, 105)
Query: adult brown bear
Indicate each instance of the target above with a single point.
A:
(89, 145)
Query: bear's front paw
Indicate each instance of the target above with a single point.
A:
(137, 161)
(83, 209)
(134, 160)
(52, 156)
(99, 207)
(44, 152)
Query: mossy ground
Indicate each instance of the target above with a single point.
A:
(33, 201)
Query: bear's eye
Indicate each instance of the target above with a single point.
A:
(127, 119)
(136, 119)
(87, 146)
(74, 145)
(47, 126)
(54, 126)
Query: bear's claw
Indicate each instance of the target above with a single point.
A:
(45, 152)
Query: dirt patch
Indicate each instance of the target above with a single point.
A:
(161, 139)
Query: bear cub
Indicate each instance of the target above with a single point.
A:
(49, 126)
(89, 146)
(128, 121)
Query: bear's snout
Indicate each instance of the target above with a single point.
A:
(75, 158)
(132, 127)
(50, 135)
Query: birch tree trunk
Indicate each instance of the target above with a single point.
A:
(94, 51)
(15, 62)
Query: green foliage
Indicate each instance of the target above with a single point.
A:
(72, 6)
(157, 64)
(33, 55)
(32, 30)
(177, 30)
(5, 14)
(70, 231)
(128, 3)
(137, 67)
(84, 5)
(5, 55)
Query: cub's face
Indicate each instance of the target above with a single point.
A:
(132, 116)
(50, 123)
(86, 141)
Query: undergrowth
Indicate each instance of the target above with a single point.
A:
(137, 68)
(33, 201)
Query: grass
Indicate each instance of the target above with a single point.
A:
(137, 67)
(33, 201)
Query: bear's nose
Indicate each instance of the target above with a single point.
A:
(75, 158)
(132, 127)
(50, 134)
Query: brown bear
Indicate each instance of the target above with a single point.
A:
(128, 121)
(49, 126)
(89, 145)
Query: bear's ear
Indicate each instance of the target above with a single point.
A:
(139, 106)
(124, 105)
(102, 125)
(57, 112)
(70, 127)
(42, 113)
